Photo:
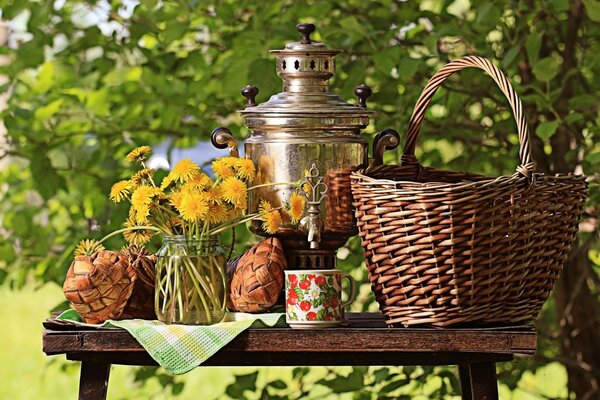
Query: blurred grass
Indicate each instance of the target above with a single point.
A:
(28, 374)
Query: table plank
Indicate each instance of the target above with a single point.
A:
(364, 336)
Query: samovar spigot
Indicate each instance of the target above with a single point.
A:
(315, 191)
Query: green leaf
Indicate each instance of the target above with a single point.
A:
(278, 384)
(98, 101)
(510, 56)
(177, 388)
(47, 180)
(7, 253)
(387, 59)
(592, 158)
(321, 314)
(532, 47)
(299, 372)
(341, 384)
(546, 69)
(560, 5)
(47, 111)
(45, 78)
(545, 130)
(593, 9)
(242, 383)
(390, 387)
(487, 15)
(29, 54)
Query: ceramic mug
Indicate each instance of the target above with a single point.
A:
(313, 297)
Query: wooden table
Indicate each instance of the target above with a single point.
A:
(364, 341)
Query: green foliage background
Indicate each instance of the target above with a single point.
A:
(81, 98)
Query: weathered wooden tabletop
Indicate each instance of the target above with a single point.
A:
(364, 341)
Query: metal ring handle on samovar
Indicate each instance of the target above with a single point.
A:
(221, 137)
(387, 139)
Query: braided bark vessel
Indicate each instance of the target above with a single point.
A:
(112, 285)
(257, 278)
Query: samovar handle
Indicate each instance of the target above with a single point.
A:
(250, 92)
(387, 139)
(222, 138)
(362, 92)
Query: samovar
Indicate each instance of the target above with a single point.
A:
(305, 133)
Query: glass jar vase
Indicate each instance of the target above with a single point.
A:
(190, 281)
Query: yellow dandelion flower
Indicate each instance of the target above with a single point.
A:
(194, 206)
(87, 247)
(223, 167)
(242, 205)
(143, 195)
(200, 182)
(137, 236)
(142, 176)
(235, 192)
(120, 191)
(217, 213)
(167, 180)
(185, 170)
(175, 198)
(138, 154)
(215, 195)
(265, 207)
(271, 221)
(140, 213)
(245, 169)
(296, 207)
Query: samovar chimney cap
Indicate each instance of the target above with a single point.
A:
(305, 66)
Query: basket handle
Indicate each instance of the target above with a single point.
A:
(408, 157)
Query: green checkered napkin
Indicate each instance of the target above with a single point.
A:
(181, 348)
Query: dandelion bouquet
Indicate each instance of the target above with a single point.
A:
(189, 208)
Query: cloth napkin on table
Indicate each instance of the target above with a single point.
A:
(181, 348)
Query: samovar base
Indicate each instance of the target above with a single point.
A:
(299, 256)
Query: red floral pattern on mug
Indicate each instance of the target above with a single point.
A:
(321, 280)
(292, 297)
(334, 301)
(305, 284)
(305, 305)
(293, 280)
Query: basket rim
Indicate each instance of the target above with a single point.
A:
(362, 177)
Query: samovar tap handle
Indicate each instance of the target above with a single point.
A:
(312, 224)
(222, 138)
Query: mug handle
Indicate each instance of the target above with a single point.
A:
(352, 290)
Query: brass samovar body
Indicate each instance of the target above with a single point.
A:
(305, 133)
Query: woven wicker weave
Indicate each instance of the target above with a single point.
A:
(446, 248)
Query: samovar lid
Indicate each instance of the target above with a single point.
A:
(305, 68)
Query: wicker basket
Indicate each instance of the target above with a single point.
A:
(447, 248)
